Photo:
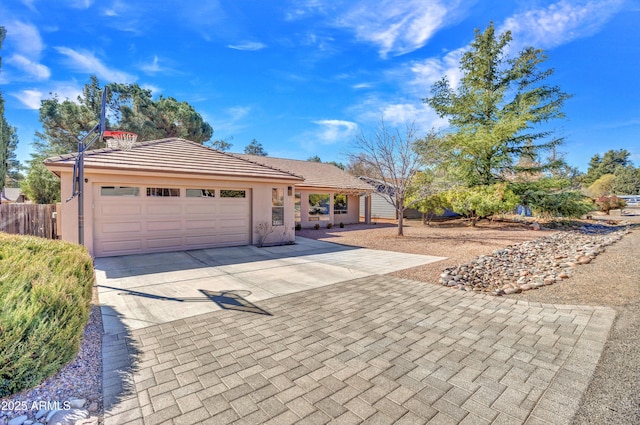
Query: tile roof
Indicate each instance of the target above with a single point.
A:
(173, 155)
(316, 174)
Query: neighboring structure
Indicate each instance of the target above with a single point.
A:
(381, 203)
(173, 194)
(10, 195)
(327, 194)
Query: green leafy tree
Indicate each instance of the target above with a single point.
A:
(40, 185)
(220, 145)
(13, 175)
(497, 112)
(627, 181)
(9, 166)
(158, 118)
(602, 187)
(129, 108)
(482, 201)
(606, 164)
(552, 196)
(314, 158)
(255, 148)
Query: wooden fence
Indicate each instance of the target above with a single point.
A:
(28, 219)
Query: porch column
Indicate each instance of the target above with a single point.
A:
(367, 208)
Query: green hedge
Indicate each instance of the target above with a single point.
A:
(45, 300)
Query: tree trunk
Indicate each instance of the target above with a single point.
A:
(400, 223)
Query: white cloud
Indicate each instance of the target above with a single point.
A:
(64, 91)
(154, 89)
(397, 27)
(24, 39)
(233, 121)
(423, 74)
(333, 131)
(248, 45)
(29, 98)
(35, 70)
(559, 23)
(362, 86)
(80, 4)
(153, 67)
(84, 61)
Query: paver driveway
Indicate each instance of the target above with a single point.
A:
(374, 349)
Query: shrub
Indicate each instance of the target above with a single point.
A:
(481, 201)
(608, 203)
(341, 225)
(329, 225)
(316, 226)
(45, 299)
(570, 204)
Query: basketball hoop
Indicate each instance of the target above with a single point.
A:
(122, 140)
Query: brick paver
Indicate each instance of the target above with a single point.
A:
(377, 350)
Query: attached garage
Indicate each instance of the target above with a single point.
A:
(171, 195)
(130, 219)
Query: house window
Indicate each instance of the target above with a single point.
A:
(201, 193)
(340, 204)
(227, 193)
(319, 206)
(296, 206)
(119, 191)
(277, 207)
(163, 192)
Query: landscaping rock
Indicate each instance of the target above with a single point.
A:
(68, 417)
(532, 264)
(20, 420)
(77, 403)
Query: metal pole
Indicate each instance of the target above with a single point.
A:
(81, 148)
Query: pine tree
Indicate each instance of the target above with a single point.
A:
(498, 112)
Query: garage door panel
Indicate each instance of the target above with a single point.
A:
(202, 225)
(154, 242)
(229, 238)
(121, 246)
(120, 210)
(124, 225)
(204, 208)
(163, 226)
(200, 240)
(164, 209)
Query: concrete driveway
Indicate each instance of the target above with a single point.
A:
(148, 289)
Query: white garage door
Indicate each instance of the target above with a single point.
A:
(139, 219)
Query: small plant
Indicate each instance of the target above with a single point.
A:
(341, 225)
(263, 229)
(316, 226)
(608, 203)
(329, 225)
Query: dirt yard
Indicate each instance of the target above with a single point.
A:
(454, 240)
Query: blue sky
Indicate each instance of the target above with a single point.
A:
(302, 77)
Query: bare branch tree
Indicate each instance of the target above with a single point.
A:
(390, 157)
